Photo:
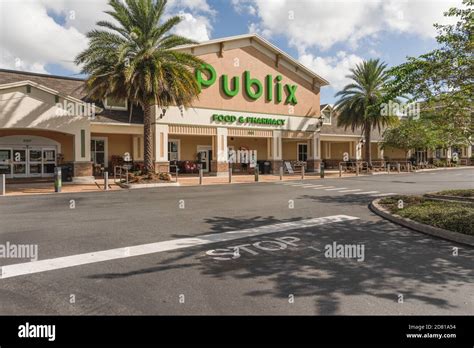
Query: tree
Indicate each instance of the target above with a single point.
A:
(133, 58)
(443, 79)
(359, 103)
(410, 134)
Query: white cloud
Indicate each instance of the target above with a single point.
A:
(196, 28)
(334, 69)
(323, 23)
(30, 35)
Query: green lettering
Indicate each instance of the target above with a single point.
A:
(208, 81)
(291, 99)
(269, 83)
(225, 85)
(249, 83)
(279, 91)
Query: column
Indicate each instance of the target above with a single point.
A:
(379, 151)
(161, 148)
(358, 151)
(82, 156)
(220, 165)
(276, 150)
(314, 160)
(137, 148)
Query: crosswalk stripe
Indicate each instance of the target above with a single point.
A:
(365, 193)
(383, 194)
(19, 269)
(336, 189)
(324, 187)
(354, 190)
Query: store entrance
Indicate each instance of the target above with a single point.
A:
(27, 161)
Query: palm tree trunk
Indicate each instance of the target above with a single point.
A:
(368, 150)
(148, 139)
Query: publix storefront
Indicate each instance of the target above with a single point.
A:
(254, 97)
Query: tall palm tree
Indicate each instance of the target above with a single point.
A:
(359, 103)
(133, 58)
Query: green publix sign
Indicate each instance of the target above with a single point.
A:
(206, 76)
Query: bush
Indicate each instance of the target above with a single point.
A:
(452, 216)
(458, 193)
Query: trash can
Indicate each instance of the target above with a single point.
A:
(261, 166)
(266, 167)
(67, 172)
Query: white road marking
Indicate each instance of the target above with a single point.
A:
(324, 187)
(365, 193)
(354, 190)
(337, 188)
(383, 194)
(18, 269)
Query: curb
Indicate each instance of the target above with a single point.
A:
(419, 227)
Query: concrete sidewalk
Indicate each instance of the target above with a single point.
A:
(19, 189)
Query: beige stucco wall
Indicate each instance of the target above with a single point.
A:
(259, 65)
(189, 144)
(259, 144)
(338, 149)
(118, 144)
(37, 110)
(66, 140)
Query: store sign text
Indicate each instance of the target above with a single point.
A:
(206, 76)
(250, 120)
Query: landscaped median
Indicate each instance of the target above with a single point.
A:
(442, 218)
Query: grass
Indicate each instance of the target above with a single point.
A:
(457, 193)
(452, 216)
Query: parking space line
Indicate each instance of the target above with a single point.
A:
(365, 193)
(324, 187)
(383, 194)
(19, 269)
(335, 189)
(354, 190)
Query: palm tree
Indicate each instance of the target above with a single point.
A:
(359, 103)
(134, 58)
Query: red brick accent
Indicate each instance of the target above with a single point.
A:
(82, 169)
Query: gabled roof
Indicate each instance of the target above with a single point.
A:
(43, 88)
(261, 44)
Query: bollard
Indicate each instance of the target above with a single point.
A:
(398, 168)
(200, 176)
(256, 174)
(57, 179)
(230, 175)
(2, 185)
(177, 171)
(281, 173)
(388, 168)
(302, 172)
(357, 169)
(340, 170)
(106, 181)
(321, 171)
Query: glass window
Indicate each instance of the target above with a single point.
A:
(302, 152)
(98, 151)
(49, 155)
(113, 103)
(173, 150)
(326, 117)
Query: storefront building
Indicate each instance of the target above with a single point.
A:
(253, 97)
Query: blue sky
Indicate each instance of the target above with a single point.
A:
(328, 36)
